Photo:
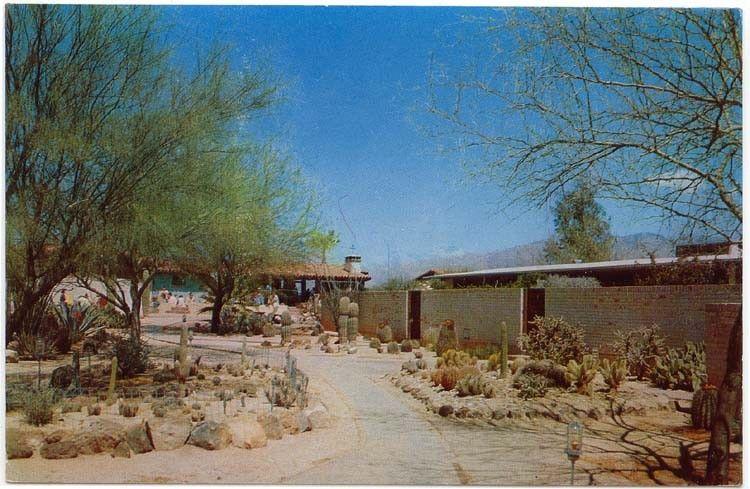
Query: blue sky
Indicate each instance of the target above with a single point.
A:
(353, 116)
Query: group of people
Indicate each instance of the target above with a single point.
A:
(80, 304)
(167, 297)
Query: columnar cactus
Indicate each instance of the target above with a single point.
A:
(704, 405)
(183, 360)
(353, 322)
(447, 339)
(503, 350)
(112, 379)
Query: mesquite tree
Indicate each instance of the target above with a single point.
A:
(95, 112)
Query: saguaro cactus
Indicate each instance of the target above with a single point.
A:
(503, 349)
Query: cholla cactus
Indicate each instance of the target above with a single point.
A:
(614, 372)
(582, 374)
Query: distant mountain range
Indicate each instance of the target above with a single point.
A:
(639, 245)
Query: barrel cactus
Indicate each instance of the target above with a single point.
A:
(704, 405)
(384, 333)
(447, 339)
(393, 347)
(406, 346)
(453, 358)
(375, 343)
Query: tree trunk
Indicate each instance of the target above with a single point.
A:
(216, 312)
(727, 423)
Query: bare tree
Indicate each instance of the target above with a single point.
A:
(646, 102)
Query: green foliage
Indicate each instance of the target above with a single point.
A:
(80, 326)
(447, 339)
(581, 375)
(614, 372)
(399, 283)
(556, 375)
(35, 346)
(553, 339)
(322, 243)
(132, 356)
(640, 348)
(455, 358)
(683, 368)
(531, 385)
(39, 404)
(564, 282)
(703, 409)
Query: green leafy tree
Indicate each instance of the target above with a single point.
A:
(94, 112)
(581, 228)
(261, 219)
(322, 243)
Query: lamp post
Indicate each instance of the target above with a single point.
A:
(573, 446)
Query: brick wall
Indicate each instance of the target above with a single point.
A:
(377, 306)
(678, 309)
(719, 322)
(479, 310)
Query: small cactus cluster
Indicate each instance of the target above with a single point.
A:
(581, 375)
(531, 385)
(393, 347)
(406, 346)
(384, 333)
(94, 409)
(453, 358)
(128, 409)
(475, 385)
(448, 377)
(614, 372)
(704, 405)
(375, 343)
(447, 339)
(683, 368)
(281, 392)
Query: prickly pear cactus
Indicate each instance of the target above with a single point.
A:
(704, 405)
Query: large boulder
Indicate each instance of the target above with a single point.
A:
(17, 445)
(171, 432)
(272, 426)
(11, 356)
(247, 432)
(139, 438)
(59, 450)
(62, 377)
(98, 436)
(211, 435)
(289, 421)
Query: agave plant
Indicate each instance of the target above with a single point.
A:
(79, 325)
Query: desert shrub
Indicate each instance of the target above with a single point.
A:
(109, 317)
(39, 404)
(562, 281)
(614, 372)
(132, 356)
(71, 407)
(683, 368)
(35, 345)
(15, 396)
(531, 385)
(453, 358)
(640, 348)
(555, 374)
(581, 375)
(448, 377)
(447, 339)
(553, 339)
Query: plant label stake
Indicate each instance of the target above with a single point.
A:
(573, 446)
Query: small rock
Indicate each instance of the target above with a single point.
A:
(247, 433)
(59, 450)
(139, 438)
(197, 416)
(17, 445)
(170, 433)
(352, 350)
(272, 426)
(122, 450)
(211, 435)
(11, 356)
(445, 410)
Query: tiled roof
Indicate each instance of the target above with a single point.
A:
(307, 271)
